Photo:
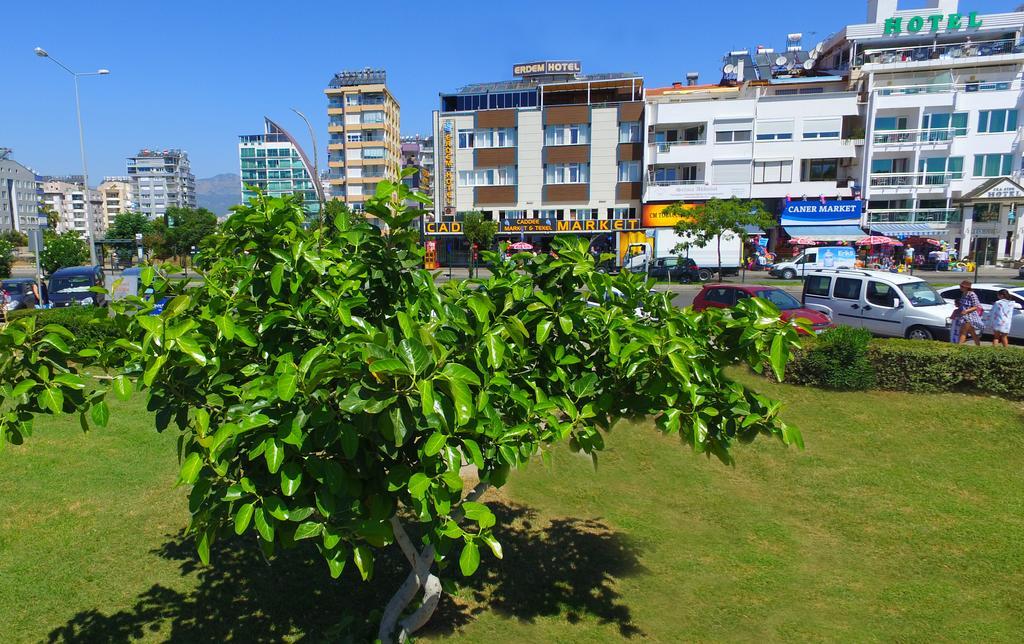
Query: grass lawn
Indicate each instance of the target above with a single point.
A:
(891, 525)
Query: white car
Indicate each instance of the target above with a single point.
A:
(987, 294)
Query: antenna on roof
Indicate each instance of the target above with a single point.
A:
(781, 61)
(808, 65)
(729, 69)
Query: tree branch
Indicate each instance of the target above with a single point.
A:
(405, 594)
(416, 621)
(402, 537)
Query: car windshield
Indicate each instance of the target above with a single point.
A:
(12, 287)
(781, 299)
(71, 283)
(922, 294)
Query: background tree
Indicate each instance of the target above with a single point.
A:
(479, 231)
(125, 226)
(64, 249)
(6, 257)
(715, 220)
(188, 228)
(52, 218)
(16, 237)
(329, 393)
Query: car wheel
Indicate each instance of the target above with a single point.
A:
(704, 275)
(919, 333)
(789, 274)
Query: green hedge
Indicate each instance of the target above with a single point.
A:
(89, 324)
(917, 366)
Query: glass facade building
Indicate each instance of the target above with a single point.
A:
(274, 163)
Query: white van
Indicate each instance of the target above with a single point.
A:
(887, 304)
(815, 258)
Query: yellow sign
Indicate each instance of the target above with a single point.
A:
(449, 168)
(654, 215)
(444, 228)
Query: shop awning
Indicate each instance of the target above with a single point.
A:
(751, 229)
(909, 230)
(826, 233)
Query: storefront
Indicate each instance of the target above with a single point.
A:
(992, 229)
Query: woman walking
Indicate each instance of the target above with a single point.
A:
(1002, 317)
(969, 310)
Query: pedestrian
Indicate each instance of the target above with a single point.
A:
(969, 311)
(1002, 316)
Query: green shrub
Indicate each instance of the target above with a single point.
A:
(905, 365)
(837, 359)
(90, 324)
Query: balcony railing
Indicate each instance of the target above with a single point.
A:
(921, 216)
(912, 179)
(676, 182)
(911, 137)
(666, 146)
(939, 52)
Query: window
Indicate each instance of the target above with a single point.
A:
(629, 171)
(881, 294)
(675, 174)
(993, 121)
(726, 296)
(823, 128)
(891, 122)
(513, 214)
(730, 172)
(732, 136)
(355, 138)
(847, 289)
(581, 214)
(992, 165)
(937, 168)
(622, 213)
(818, 285)
(773, 171)
(556, 173)
(487, 138)
(575, 134)
(373, 117)
(987, 213)
(248, 152)
(373, 153)
(629, 132)
(775, 131)
(819, 170)
(504, 176)
(944, 122)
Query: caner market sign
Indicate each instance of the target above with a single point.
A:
(934, 23)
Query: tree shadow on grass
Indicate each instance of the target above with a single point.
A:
(566, 566)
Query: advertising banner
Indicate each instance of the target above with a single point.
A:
(556, 226)
(654, 215)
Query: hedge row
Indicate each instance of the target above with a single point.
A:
(91, 325)
(844, 360)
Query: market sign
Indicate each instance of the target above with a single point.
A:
(449, 168)
(557, 226)
(546, 67)
(443, 227)
(818, 212)
(936, 22)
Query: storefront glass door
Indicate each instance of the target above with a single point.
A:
(985, 250)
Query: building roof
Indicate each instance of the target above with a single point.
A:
(539, 81)
(365, 76)
(988, 185)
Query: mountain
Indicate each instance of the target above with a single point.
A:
(218, 193)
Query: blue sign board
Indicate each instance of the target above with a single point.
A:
(827, 213)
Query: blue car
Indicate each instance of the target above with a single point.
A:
(72, 285)
(20, 293)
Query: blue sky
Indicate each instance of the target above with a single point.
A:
(195, 75)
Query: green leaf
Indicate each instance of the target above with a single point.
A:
(190, 468)
(418, 485)
(275, 507)
(23, 388)
(56, 342)
(52, 398)
(154, 368)
(274, 453)
(543, 330)
(480, 306)
(308, 358)
(70, 381)
(264, 525)
(100, 413)
(479, 513)
(122, 387)
(226, 326)
(203, 547)
(336, 561)
(566, 323)
(242, 517)
(455, 371)
(291, 478)
(494, 545)
(147, 275)
(246, 336)
(414, 354)
(778, 357)
(308, 530)
(175, 306)
(363, 558)
(276, 275)
(475, 455)
(434, 444)
(287, 385)
(191, 347)
(469, 560)
(495, 350)
(463, 400)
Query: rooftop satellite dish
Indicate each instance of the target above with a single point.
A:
(729, 69)
(808, 65)
(781, 61)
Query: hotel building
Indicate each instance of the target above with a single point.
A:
(161, 179)
(553, 151)
(275, 163)
(363, 147)
(942, 90)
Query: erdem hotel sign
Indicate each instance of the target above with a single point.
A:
(935, 23)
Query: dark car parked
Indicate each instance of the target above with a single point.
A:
(21, 293)
(677, 269)
(69, 286)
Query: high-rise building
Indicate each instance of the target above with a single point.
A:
(19, 194)
(161, 179)
(67, 196)
(554, 151)
(275, 163)
(117, 198)
(418, 153)
(363, 122)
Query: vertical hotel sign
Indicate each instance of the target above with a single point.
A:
(448, 207)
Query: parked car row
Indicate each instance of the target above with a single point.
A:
(66, 287)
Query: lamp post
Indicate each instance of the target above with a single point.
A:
(42, 53)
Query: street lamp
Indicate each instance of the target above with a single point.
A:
(42, 53)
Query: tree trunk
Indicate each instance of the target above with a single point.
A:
(720, 276)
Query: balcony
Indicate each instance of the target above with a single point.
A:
(917, 137)
(952, 52)
(693, 189)
(915, 180)
(921, 216)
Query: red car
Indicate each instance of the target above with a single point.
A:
(724, 296)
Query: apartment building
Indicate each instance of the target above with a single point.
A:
(772, 129)
(418, 153)
(363, 147)
(19, 194)
(161, 179)
(275, 163)
(553, 151)
(117, 198)
(943, 90)
(75, 205)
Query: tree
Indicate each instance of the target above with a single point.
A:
(52, 218)
(126, 226)
(328, 392)
(16, 237)
(6, 257)
(479, 232)
(64, 249)
(189, 227)
(717, 219)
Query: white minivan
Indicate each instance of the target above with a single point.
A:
(887, 304)
(815, 258)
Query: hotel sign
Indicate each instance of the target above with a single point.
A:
(935, 23)
(558, 226)
(448, 203)
(547, 67)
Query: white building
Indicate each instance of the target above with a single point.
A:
(67, 196)
(162, 179)
(942, 92)
(117, 198)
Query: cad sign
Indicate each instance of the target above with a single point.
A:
(899, 25)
